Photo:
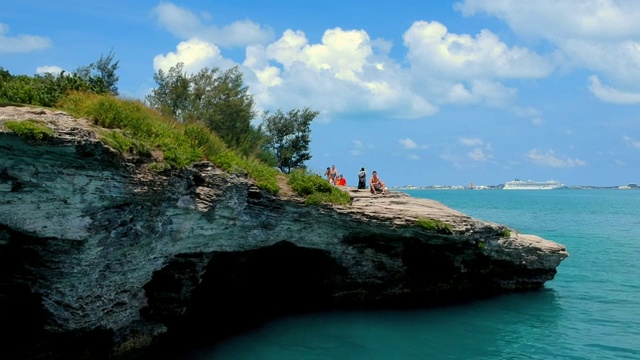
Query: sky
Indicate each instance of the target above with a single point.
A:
(424, 92)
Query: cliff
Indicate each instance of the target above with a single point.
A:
(101, 256)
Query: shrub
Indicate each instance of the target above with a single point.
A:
(435, 225)
(316, 189)
(30, 129)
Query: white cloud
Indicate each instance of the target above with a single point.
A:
(567, 18)
(550, 159)
(413, 157)
(453, 159)
(342, 53)
(347, 72)
(342, 74)
(533, 114)
(21, 43)
(478, 154)
(470, 141)
(631, 142)
(408, 143)
(187, 25)
(52, 69)
(611, 95)
(456, 56)
(600, 35)
(359, 148)
(195, 54)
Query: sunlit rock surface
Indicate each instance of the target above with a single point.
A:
(100, 256)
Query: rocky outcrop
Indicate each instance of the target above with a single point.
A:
(100, 256)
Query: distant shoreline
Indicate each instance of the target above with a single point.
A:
(500, 187)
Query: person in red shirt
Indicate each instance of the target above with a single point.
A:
(342, 181)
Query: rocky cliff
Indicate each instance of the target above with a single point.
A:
(99, 256)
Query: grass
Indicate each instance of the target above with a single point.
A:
(435, 225)
(316, 189)
(30, 129)
(131, 127)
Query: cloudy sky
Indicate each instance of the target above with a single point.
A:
(424, 92)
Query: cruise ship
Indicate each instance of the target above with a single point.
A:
(518, 184)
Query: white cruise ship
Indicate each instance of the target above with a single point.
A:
(518, 184)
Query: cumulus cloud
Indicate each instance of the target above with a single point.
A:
(185, 24)
(611, 95)
(342, 53)
(347, 72)
(634, 143)
(568, 18)
(342, 74)
(600, 35)
(195, 54)
(460, 56)
(549, 158)
(21, 43)
(408, 143)
(52, 69)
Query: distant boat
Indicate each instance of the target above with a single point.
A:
(518, 184)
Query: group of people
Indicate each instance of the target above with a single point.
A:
(376, 186)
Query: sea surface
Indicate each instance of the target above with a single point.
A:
(591, 310)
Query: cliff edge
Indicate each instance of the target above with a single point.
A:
(101, 257)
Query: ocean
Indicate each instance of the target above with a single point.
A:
(591, 310)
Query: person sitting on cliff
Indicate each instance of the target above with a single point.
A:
(377, 186)
(342, 181)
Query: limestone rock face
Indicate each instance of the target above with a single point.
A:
(94, 246)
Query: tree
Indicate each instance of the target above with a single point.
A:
(101, 75)
(289, 136)
(216, 98)
(171, 97)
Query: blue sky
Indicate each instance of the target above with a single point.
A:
(424, 92)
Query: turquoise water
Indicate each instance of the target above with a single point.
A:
(591, 310)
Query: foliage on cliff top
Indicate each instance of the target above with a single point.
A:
(30, 129)
(316, 189)
(135, 128)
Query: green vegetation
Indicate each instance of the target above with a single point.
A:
(213, 97)
(133, 128)
(187, 118)
(30, 129)
(435, 225)
(316, 189)
(506, 233)
(47, 89)
(288, 137)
